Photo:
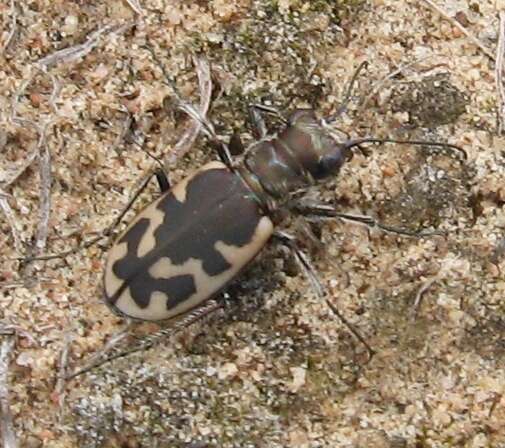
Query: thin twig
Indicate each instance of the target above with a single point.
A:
(14, 27)
(206, 126)
(45, 175)
(10, 178)
(135, 5)
(458, 25)
(422, 290)
(19, 93)
(77, 51)
(45, 198)
(62, 369)
(45, 182)
(500, 50)
(187, 140)
(20, 169)
(55, 92)
(9, 330)
(12, 221)
(41, 151)
(449, 265)
(6, 420)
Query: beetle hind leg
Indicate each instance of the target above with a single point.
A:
(310, 273)
(148, 342)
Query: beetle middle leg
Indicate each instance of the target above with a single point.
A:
(310, 273)
(328, 211)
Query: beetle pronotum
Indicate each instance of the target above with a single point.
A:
(187, 245)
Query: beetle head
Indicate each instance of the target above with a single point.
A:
(316, 147)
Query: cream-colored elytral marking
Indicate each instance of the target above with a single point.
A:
(180, 190)
(156, 216)
(112, 283)
(205, 284)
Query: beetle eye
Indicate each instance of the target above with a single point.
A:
(330, 164)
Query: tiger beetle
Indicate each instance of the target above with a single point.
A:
(180, 251)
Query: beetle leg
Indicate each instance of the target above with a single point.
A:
(303, 260)
(327, 211)
(259, 127)
(162, 179)
(236, 146)
(150, 341)
(164, 186)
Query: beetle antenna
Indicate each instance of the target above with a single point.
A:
(359, 141)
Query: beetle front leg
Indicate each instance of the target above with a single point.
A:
(162, 179)
(258, 125)
(304, 262)
(164, 185)
(328, 211)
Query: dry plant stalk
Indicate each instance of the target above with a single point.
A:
(14, 27)
(500, 49)
(11, 221)
(6, 421)
(45, 198)
(135, 5)
(460, 27)
(205, 85)
(77, 51)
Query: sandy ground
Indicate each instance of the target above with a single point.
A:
(276, 368)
